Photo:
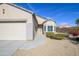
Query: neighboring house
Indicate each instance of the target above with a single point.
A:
(63, 28)
(17, 23)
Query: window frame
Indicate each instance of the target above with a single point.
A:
(50, 28)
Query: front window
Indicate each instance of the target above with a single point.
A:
(50, 28)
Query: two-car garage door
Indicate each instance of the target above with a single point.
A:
(13, 30)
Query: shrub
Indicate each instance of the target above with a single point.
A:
(50, 34)
(58, 36)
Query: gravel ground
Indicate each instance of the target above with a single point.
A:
(51, 48)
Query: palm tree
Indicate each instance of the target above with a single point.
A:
(77, 22)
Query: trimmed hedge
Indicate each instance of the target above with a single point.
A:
(50, 34)
(58, 36)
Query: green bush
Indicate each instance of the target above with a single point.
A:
(58, 36)
(50, 34)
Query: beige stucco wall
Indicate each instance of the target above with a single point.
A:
(40, 19)
(50, 23)
(14, 14)
(35, 25)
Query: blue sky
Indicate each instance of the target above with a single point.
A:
(60, 12)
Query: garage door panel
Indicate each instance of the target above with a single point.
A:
(12, 31)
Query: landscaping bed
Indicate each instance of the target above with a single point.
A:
(58, 36)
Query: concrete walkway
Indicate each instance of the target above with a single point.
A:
(9, 47)
(39, 39)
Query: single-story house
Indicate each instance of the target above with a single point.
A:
(49, 26)
(17, 23)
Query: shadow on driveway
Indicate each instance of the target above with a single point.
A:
(75, 40)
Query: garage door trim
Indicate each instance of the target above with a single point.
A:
(12, 21)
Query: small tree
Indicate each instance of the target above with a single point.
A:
(77, 22)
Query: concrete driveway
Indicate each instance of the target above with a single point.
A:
(8, 47)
